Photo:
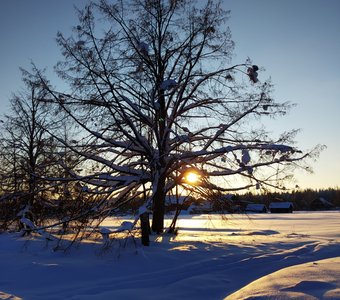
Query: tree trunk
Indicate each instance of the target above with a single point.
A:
(159, 207)
(145, 226)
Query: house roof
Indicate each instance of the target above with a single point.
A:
(323, 201)
(280, 205)
(255, 207)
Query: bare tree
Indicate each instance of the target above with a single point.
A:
(26, 150)
(156, 94)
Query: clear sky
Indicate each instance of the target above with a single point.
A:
(297, 41)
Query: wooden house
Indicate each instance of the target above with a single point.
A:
(256, 208)
(281, 207)
(321, 204)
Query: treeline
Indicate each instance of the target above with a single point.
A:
(301, 199)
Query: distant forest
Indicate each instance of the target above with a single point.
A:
(300, 198)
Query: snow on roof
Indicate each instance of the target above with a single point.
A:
(324, 201)
(255, 207)
(280, 204)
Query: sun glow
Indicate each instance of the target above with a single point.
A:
(192, 177)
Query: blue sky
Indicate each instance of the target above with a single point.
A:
(298, 42)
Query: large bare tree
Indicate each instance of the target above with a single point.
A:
(154, 89)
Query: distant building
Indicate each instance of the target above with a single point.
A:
(256, 208)
(281, 207)
(321, 204)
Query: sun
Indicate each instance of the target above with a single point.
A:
(191, 177)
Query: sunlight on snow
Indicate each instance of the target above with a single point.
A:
(211, 257)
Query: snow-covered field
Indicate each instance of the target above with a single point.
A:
(259, 256)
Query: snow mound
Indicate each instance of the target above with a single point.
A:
(290, 283)
(8, 296)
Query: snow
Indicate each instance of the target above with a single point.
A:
(145, 208)
(31, 227)
(291, 282)
(245, 156)
(278, 147)
(27, 222)
(24, 211)
(105, 232)
(126, 225)
(257, 256)
(325, 202)
(254, 207)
